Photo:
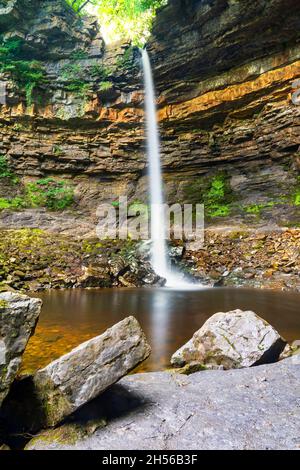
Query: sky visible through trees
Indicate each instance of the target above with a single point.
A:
(121, 19)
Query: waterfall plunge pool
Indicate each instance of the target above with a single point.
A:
(168, 317)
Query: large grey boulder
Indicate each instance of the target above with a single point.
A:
(18, 317)
(231, 340)
(245, 409)
(45, 399)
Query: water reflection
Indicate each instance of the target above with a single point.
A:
(168, 317)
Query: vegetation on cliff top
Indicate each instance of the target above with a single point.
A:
(122, 19)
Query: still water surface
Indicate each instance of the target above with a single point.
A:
(168, 317)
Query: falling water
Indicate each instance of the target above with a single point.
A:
(159, 248)
(159, 251)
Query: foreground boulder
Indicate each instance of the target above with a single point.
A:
(18, 317)
(231, 340)
(45, 399)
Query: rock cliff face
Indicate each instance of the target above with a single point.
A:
(224, 72)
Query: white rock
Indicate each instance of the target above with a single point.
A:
(232, 340)
(18, 317)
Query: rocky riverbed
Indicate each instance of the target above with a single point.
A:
(260, 257)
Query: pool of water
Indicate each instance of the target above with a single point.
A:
(168, 317)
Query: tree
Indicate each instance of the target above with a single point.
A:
(122, 19)
(79, 5)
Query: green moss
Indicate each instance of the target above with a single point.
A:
(3, 303)
(189, 369)
(57, 150)
(256, 209)
(214, 192)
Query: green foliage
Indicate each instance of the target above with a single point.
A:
(122, 19)
(79, 55)
(28, 74)
(79, 5)
(55, 195)
(128, 19)
(215, 199)
(297, 198)
(47, 192)
(100, 71)
(73, 74)
(126, 60)
(215, 193)
(105, 86)
(5, 171)
(296, 195)
(13, 204)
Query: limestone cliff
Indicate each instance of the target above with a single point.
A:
(224, 72)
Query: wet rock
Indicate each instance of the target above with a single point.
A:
(18, 317)
(232, 340)
(65, 385)
(94, 276)
(176, 252)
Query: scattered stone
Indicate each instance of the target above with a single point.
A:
(287, 352)
(232, 340)
(65, 385)
(18, 317)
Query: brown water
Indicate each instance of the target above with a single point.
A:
(168, 317)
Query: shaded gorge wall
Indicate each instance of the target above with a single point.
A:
(230, 132)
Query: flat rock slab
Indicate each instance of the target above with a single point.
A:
(256, 408)
(65, 385)
(18, 318)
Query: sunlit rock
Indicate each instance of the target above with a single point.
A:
(250, 409)
(65, 385)
(18, 317)
(231, 340)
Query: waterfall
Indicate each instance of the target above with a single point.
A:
(159, 251)
(159, 248)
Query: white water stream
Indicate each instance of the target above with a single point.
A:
(159, 250)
